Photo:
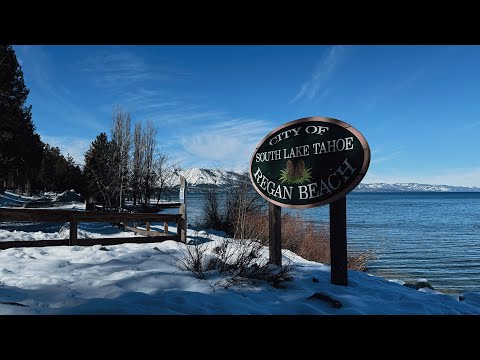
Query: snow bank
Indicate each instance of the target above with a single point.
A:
(9, 199)
(145, 279)
(68, 196)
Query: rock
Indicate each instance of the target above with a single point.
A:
(335, 303)
(419, 285)
(423, 284)
(314, 279)
(103, 248)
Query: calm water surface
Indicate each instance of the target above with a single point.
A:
(415, 235)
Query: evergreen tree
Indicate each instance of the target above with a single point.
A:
(57, 173)
(99, 171)
(20, 146)
(74, 177)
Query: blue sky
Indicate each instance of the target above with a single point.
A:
(417, 106)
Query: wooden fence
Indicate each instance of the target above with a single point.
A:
(75, 217)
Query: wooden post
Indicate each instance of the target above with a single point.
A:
(73, 231)
(275, 234)
(338, 242)
(165, 228)
(183, 210)
(148, 226)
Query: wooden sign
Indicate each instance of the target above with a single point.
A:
(309, 162)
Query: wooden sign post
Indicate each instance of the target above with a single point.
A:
(275, 234)
(306, 163)
(338, 242)
(183, 209)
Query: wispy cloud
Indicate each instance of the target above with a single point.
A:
(145, 101)
(58, 97)
(466, 127)
(119, 69)
(116, 68)
(69, 145)
(318, 80)
(185, 116)
(230, 142)
(381, 158)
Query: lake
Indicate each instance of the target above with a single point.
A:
(430, 235)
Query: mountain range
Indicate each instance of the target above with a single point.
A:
(205, 178)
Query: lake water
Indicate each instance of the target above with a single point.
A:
(415, 235)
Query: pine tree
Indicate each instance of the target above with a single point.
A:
(74, 177)
(20, 146)
(99, 171)
(57, 173)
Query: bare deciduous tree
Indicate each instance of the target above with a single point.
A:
(148, 145)
(137, 164)
(121, 150)
(166, 172)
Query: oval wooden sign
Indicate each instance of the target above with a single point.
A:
(309, 162)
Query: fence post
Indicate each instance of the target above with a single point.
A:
(73, 230)
(182, 225)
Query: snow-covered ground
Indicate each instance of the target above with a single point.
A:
(146, 279)
(11, 199)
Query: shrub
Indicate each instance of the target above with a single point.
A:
(241, 260)
(195, 260)
(231, 215)
(243, 215)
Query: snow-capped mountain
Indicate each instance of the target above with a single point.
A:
(202, 178)
(403, 187)
(210, 177)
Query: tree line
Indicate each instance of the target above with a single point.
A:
(26, 163)
(126, 166)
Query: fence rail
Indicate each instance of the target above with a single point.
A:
(74, 217)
